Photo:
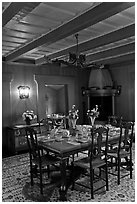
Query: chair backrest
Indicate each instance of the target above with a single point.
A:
(99, 142)
(128, 128)
(115, 120)
(126, 136)
(32, 142)
(48, 123)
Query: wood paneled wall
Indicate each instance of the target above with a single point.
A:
(37, 76)
(124, 74)
(70, 81)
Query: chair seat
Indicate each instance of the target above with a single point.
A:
(46, 160)
(85, 163)
(114, 153)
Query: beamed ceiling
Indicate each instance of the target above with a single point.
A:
(41, 32)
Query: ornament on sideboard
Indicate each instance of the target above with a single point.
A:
(24, 92)
(28, 116)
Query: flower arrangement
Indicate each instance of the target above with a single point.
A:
(28, 116)
(92, 114)
(73, 113)
(73, 117)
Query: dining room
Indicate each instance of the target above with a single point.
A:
(68, 98)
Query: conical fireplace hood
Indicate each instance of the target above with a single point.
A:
(100, 79)
(100, 83)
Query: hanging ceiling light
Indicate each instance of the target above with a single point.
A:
(76, 59)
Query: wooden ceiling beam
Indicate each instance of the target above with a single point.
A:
(111, 52)
(90, 17)
(106, 39)
(117, 59)
(25, 61)
(111, 37)
(13, 9)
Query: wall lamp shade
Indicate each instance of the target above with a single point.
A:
(24, 92)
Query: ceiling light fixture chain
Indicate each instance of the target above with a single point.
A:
(77, 53)
(76, 58)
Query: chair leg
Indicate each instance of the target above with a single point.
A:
(131, 166)
(41, 187)
(119, 161)
(73, 179)
(91, 182)
(116, 162)
(106, 172)
(48, 170)
(31, 173)
(111, 147)
(93, 174)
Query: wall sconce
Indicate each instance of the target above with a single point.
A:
(24, 92)
(119, 87)
(83, 91)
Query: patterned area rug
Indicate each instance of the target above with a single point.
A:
(16, 185)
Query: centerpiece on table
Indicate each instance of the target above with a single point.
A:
(73, 117)
(93, 114)
(28, 116)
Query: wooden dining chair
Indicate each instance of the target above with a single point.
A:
(123, 150)
(97, 159)
(115, 120)
(37, 158)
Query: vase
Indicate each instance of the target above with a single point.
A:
(72, 123)
(92, 119)
(72, 126)
(27, 121)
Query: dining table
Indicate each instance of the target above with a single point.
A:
(66, 146)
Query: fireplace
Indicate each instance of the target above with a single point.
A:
(104, 106)
(101, 92)
(105, 99)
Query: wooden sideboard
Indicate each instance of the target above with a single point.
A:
(16, 137)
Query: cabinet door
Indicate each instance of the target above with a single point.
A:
(20, 140)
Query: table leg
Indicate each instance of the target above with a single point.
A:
(63, 188)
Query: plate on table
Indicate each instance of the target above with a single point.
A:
(47, 139)
(82, 140)
(64, 133)
(41, 137)
(58, 139)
